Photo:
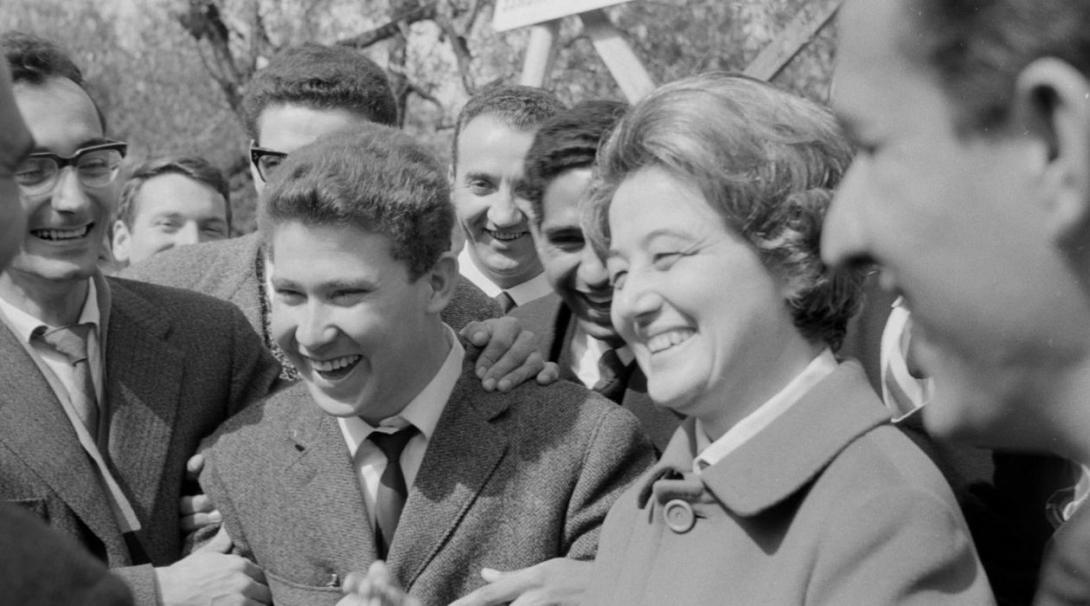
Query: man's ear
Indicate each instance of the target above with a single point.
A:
(121, 241)
(443, 278)
(1052, 103)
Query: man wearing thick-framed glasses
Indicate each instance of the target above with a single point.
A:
(306, 92)
(38, 565)
(107, 386)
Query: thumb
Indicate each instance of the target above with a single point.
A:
(194, 465)
(491, 575)
(221, 543)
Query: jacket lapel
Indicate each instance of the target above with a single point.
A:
(143, 383)
(461, 457)
(319, 479)
(33, 425)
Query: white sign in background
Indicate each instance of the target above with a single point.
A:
(510, 14)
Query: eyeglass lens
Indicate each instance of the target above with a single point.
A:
(267, 162)
(94, 168)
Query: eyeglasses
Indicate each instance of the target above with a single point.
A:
(265, 160)
(96, 166)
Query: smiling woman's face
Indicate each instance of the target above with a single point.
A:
(705, 318)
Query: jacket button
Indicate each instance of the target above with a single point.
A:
(679, 516)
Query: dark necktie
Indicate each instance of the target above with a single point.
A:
(612, 372)
(505, 301)
(392, 492)
(71, 342)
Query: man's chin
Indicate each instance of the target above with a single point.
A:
(600, 332)
(331, 404)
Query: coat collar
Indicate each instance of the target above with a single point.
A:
(245, 260)
(785, 456)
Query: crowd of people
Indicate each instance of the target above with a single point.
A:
(599, 359)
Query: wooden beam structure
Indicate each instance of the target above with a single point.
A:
(774, 57)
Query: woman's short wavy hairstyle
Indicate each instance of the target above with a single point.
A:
(766, 160)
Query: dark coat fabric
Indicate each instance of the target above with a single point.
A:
(177, 364)
(551, 320)
(827, 505)
(507, 481)
(42, 567)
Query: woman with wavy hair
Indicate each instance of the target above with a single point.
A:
(786, 484)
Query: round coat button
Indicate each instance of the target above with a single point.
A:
(679, 516)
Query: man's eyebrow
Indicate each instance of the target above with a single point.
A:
(476, 174)
(40, 149)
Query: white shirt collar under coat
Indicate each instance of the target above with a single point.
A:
(423, 411)
(711, 453)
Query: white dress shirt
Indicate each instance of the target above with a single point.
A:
(24, 325)
(743, 431)
(521, 294)
(422, 412)
(585, 353)
(902, 393)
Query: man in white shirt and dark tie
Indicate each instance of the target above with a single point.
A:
(491, 136)
(389, 449)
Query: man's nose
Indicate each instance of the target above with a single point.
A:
(189, 233)
(314, 329)
(592, 271)
(68, 195)
(504, 212)
(842, 238)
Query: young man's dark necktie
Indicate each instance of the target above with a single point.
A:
(505, 301)
(613, 374)
(392, 492)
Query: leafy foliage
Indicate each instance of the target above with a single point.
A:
(168, 73)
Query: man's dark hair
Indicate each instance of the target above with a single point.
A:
(564, 142)
(373, 177)
(977, 48)
(321, 77)
(197, 169)
(34, 60)
(519, 107)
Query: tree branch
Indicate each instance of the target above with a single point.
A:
(391, 29)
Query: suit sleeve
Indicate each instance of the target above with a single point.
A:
(898, 547)
(214, 486)
(254, 370)
(141, 582)
(617, 453)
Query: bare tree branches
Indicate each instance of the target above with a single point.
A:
(390, 29)
(203, 21)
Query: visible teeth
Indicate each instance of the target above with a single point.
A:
(663, 341)
(334, 364)
(62, 234)
(503, 236)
